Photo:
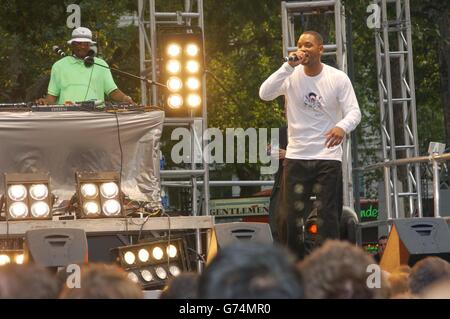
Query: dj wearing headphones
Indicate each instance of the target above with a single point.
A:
(73, 80)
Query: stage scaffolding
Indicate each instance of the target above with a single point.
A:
(148, 20)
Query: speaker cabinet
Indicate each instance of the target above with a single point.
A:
(228, 233)
(413, 239)
(56, 247)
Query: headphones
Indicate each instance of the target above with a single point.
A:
(88, 60)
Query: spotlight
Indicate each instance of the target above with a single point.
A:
(161, 273)
(194, 100)
(173, 66)
(40, 209)
(91, 209)
(173, 50)
(17, 192)
(174, 270)
(18, 210)
(171, 251)
(157, 253)
(99, 194)
(192, 49)
(4, 259)
(146, 275)
(192, 66)
(174, 84)
(38, 191)
(109, 190)
(193, 83)
(11, 257)
(133, 277)
(153, 263)
(129, 257)
(175, 101)
(143, 255)
(27, 196)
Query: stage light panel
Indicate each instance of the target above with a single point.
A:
(27, 196)
(186, 62)
(153, 263)
(99, 194)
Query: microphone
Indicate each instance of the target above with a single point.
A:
(58, 51)
(291, 58)
(89, 59)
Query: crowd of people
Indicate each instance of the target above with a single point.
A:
(245, 270)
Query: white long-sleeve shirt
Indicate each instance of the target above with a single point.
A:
(315, 104)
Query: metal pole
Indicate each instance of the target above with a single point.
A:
(284, 25)
(340, 50)
(154, 51)
(413, 107)
(141, 23)
(384, 133)
(353, 136)
(436, 183)
(204, 127)
(405, 109)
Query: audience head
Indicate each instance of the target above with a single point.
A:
(101, 281)
(340, 270)
(184, 286)
(27, 282)
(427, 271)
(399, 282)
(437, 290)
(250, 271)
(382, 242)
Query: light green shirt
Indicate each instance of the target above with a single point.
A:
(72, 81)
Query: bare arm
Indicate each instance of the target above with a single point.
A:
(49, 99)
(118, 96)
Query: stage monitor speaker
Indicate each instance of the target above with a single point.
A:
(413, 239)
(56, 247)
(228, 233)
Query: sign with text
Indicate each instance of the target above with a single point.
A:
(250, 206)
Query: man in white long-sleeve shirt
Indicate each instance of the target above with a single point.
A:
(321, 109)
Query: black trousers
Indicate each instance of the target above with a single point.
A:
(301, 180)
(275, 201)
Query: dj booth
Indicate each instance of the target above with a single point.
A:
(63, 143)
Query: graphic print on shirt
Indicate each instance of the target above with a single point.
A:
(313, 101)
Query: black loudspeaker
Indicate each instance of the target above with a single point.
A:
(228, 233)
(56, 247)
(413, 239)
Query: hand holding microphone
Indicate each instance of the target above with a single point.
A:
(295, 58)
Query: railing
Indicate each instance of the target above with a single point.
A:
(433, 159)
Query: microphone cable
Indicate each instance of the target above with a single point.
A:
(89, 64)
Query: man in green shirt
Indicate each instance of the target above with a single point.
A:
(71, 81)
